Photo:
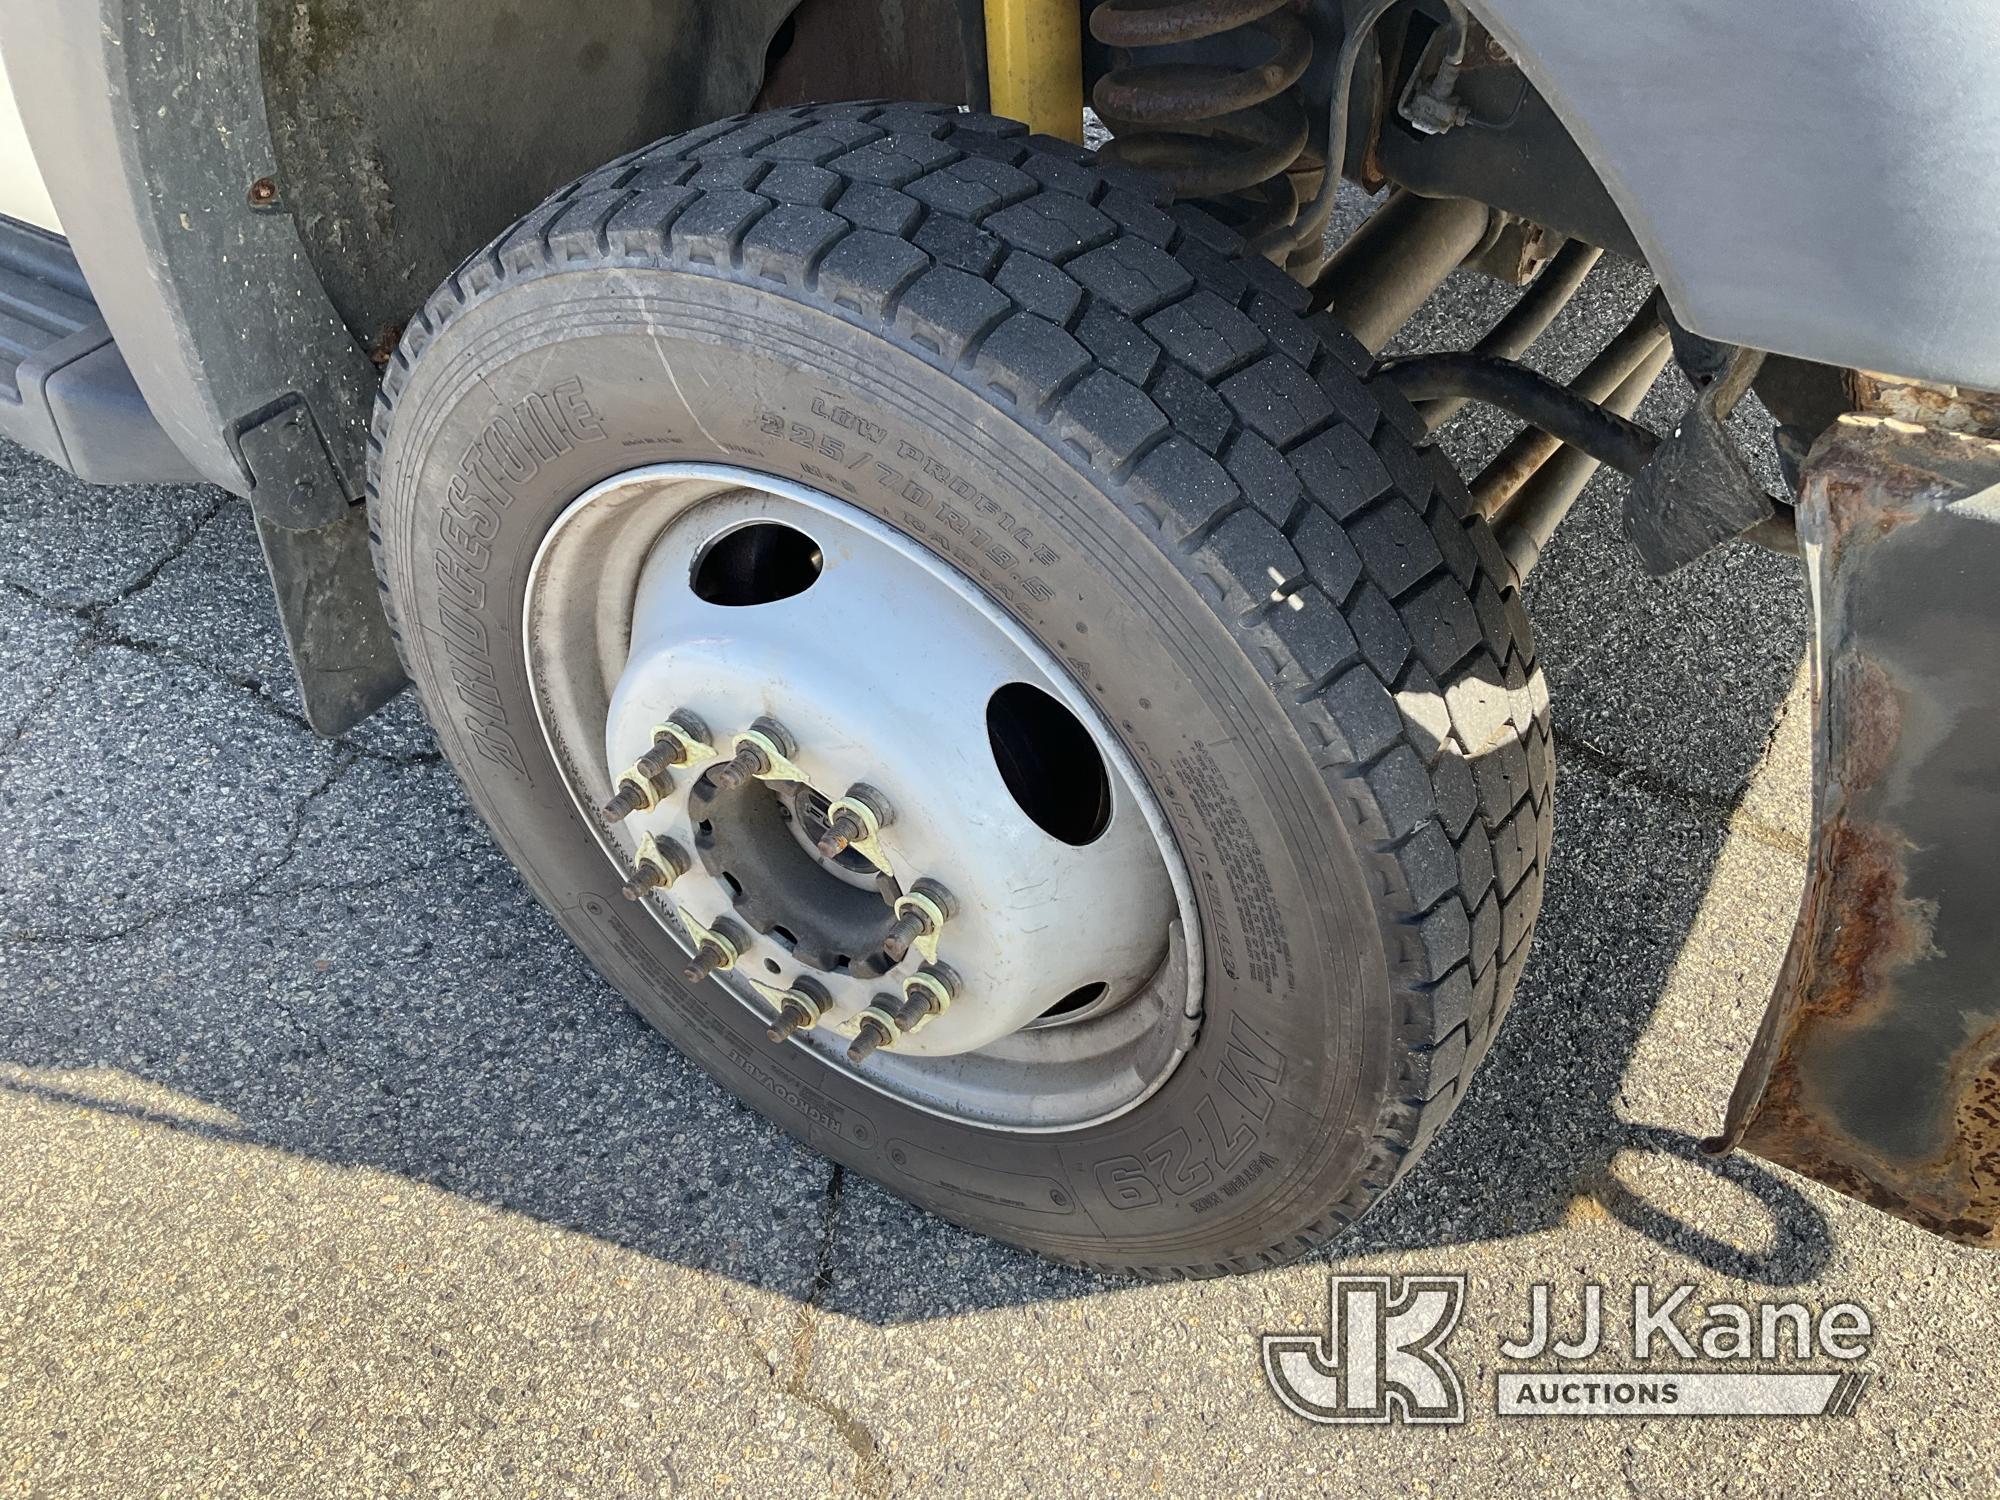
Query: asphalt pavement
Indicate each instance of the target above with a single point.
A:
(327, 1166)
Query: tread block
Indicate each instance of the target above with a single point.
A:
(1450, 1003)
(1396, 547)
(867, 271)
(1059, 170)
(1456, 793)
(1475, 864)
(945, 310)
(1184, 489)
(953, 242)
(1118, 344)
(868, 205)
(1365, 712)
(786, 243)
(729, 172)
(1486, 929)
(709, 231)
(1039, 287)
(1030, 358)
(1269, 483)
(1446, 936)
(972, 187)
(1329, 553)
(1316, 639)
(1216, 271)
(1141, 216)
(1206, 334)
(1384, 640)
(1443, 628)
(826, 140)
(1110, 419)
(1358, 404)
(1277, 400)
(1135, 278)
(1057, 228)
(796, 182)
(1258, 558)
(1195, 411)
(1342, 471)
(1448, 533)
(896, 162)
(641, 224)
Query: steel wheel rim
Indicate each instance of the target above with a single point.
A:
(599, 623)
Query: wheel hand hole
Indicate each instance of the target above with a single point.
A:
(1083, 995)
(756, 564)
(1051, 765)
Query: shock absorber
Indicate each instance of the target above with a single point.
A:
(1212, 131)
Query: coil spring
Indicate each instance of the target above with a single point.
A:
(1210, 131)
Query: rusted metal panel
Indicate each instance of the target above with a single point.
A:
(1877, 1068)
(1928, 405)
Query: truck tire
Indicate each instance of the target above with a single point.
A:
(1084, 419)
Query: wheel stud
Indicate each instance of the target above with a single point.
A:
(799, 1009)
(714, 948)
(637, 792)
(855, 822)
(910, 926)
(879, 1028)
(841, 830)
(680, 741)
(748, 761)
(763, 750)
(660, 862)
(709, 957)
(926, 993)
(920, 915)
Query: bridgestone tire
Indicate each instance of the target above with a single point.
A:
(1137, 442)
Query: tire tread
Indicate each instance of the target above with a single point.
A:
(1188, 382)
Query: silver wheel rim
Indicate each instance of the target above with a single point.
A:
(884, 672)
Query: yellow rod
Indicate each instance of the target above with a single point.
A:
(1034, 64)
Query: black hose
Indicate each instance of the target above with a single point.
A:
(1534, 398)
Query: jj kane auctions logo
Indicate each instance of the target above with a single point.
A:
(1382, 1357)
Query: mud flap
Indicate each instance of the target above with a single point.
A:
(315, 543)
(1877, 1067)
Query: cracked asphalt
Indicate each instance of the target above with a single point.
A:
(328, 1168)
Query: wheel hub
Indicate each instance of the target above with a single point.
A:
(903, 830)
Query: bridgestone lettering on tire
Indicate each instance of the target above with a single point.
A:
(1136, 442)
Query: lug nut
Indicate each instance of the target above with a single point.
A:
(878, 1029)
(748, 761)
(660, 862)
(799, 1009)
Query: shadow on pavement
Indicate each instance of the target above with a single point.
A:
(214, 923)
